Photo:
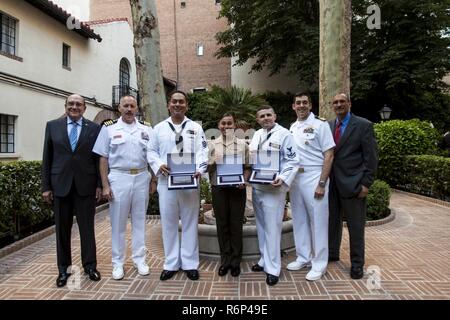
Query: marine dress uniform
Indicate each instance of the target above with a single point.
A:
(269, 201)
(228, 203)
(125, 146)
(178, 204)
(310, 215)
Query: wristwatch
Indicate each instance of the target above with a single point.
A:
(322, 183)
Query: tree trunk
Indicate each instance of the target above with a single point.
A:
(148, 60)
(335, 37)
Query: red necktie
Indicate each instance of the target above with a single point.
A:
(337, 132)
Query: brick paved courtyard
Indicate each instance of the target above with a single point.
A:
(412, 253)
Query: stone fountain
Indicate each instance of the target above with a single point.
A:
(209, 245)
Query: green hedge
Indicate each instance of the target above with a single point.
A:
(21, 204)
(378, 200)
(399, 138)
(428, 175)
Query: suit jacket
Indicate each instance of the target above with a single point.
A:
(61, 166)
(355, 157)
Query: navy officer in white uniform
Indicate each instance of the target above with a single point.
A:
(174, 135)
(122, 145)
(309, 191)
(269, 200)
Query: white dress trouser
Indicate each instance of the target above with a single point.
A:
(269, 209)
(130, 195)
(310, 219)
(173, 206)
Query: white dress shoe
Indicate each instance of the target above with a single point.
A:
(295, 265)
(142, 268)
(118, 273)
(314, 275)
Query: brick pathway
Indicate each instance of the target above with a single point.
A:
(412, 254)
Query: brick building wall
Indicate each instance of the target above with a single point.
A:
(181, 31)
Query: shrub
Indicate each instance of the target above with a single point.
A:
(398, 138)
(21, 204)
(205, 191)
(428, 175)
(208, 107)
(378, 200)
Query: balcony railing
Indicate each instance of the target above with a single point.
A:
(120, 91)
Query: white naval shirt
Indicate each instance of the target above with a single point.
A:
(280, 140)
(164, 142)
(125, 145)
(313, 137)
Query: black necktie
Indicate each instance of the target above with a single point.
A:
(178, 136)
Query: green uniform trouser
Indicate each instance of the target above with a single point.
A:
(229, 208)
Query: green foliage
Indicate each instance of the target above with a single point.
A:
(276, 34)
(153, 204)
(197, 107)
(205, 191)
(428, 175)
(282, 104)
(398, 138)
(401, 64)
(210, 106)
(378, 200)
(21, 202)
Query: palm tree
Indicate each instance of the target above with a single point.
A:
(237, 100)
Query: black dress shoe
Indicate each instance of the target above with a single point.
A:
(167, 274)
(357, 272)
(61, 281)
(235, 271)
(192, 274)
(257, 268)
(332, 259)
(93, 274)
(223, 270)
(271, 280)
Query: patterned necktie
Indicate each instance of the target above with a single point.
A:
(178, 136)
(337, 132)
(73, 137)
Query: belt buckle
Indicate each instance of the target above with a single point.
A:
(301, 170)
(134, 171)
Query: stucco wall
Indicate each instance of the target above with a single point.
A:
(260, 82)
(95, 69)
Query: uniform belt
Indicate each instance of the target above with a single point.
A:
(130, 171)
(309, 169)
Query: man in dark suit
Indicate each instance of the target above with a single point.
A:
(71, 182)
(353, 172)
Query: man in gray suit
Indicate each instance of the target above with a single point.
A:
(353, 172)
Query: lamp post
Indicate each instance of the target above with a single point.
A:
(385, 113)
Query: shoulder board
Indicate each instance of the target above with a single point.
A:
(321, 119)
(109, 122)
(145, 123)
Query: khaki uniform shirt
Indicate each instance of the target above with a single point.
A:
(219, 148)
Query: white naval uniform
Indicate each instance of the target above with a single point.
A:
(310, 215)
(269, 201)
(125, 146)
(178, 204)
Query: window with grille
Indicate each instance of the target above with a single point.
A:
(66, 56)
(8, 34)
(7, 128)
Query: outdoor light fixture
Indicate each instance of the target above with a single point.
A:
(385, 113)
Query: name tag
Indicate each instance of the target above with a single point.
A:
(144, 136)
(274, 145)
(117, 136)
